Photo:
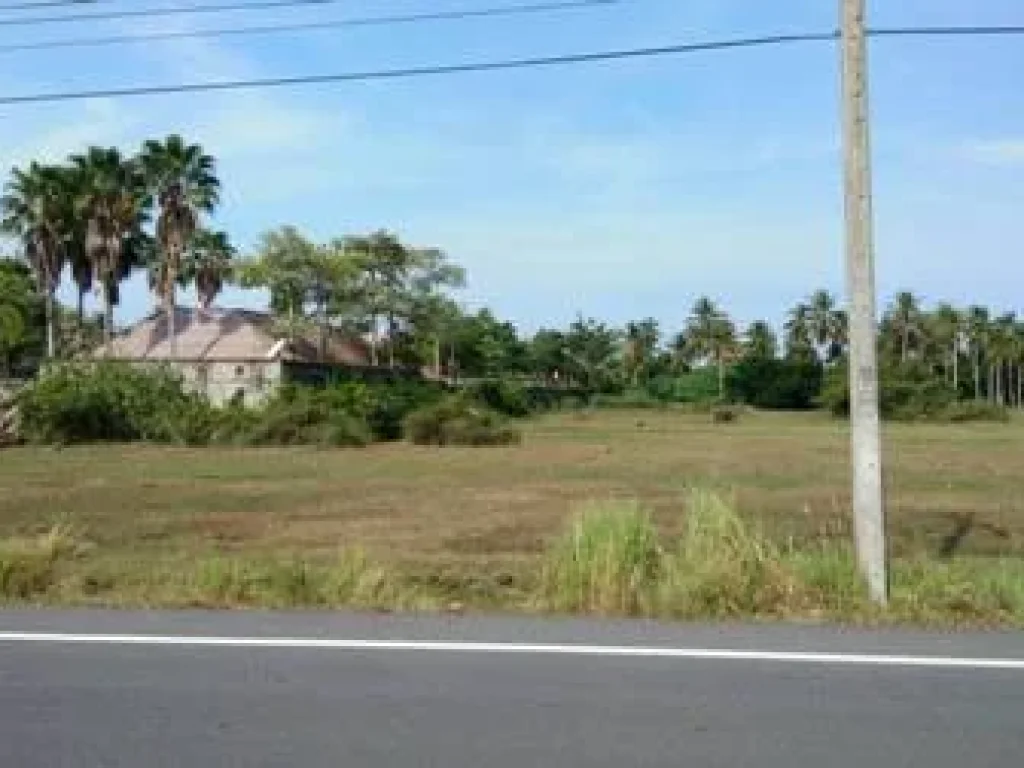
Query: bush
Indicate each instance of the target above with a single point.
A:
(505, 397)
(393, 401)
(909, 392)
(457, 420)
(699, 386)
(772, 384)
(111, 401)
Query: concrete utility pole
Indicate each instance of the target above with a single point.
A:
(865, 440)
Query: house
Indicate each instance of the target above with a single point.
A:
(241, 355)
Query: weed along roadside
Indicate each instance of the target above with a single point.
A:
(610, 561)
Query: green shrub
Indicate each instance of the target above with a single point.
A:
(769, 383)
(975, 411)
(506, 397)
(909, 392)
(699, 386)
(111, 401)
(393, 401)
(457, 420)
(608, 562)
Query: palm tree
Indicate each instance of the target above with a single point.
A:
(32, 210)
(824, 323)
(209, 264)
(904, 317)
(799, 333)
(946, 329)
(1003, 352)
(760, 341)
(641, 342)
(183, 179)
(710, 335)
(111, 201)
(977, 327)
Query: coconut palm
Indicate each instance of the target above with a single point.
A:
(977, 324)
(33, 209)
(760, 341)
(112, 197)
(905, 321)
(641, 342)
(183, 179)
(710, 335)
(946, 330)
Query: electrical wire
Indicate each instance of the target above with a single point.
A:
(313, 26)
(506, 64)
(170, 10)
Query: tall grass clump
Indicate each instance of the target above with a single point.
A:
(721, 567)
(608, 562)
(29, 566)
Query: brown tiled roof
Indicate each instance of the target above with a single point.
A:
(228, 334)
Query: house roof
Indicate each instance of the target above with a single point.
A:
(229, 335)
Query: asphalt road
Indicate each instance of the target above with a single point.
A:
(115, 689)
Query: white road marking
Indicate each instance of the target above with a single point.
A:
(709, 654)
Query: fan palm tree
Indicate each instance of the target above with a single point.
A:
(33, 209)
(209, 265)
(183, 179)
(112, 197)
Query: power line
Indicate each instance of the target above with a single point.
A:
(171, 10)
(492, 66)
(394, 74)
(271, 29)
(48, 4)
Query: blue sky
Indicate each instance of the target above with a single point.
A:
(621, 189)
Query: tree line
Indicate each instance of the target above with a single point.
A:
(102, 215)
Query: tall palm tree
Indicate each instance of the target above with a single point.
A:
(905, 320)
(760, 341)
(641, 342)
(184, 181)
(112, 197)
(977, 325)
(710, 335)
(209, 264)
(824, 324)
(945, 327)
(32, 209)
(799, 333)
(1003, 351)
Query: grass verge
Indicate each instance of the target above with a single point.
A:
(610, 561)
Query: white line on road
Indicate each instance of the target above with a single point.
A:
(707, 654)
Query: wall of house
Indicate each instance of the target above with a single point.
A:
(221, 382)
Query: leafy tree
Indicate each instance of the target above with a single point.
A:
(903, 322)
(209, 264)
(21, 318)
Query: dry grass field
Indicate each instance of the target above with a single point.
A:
(481, 513)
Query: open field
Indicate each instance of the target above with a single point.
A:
(480, 516)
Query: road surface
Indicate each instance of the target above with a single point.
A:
(211, 689)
